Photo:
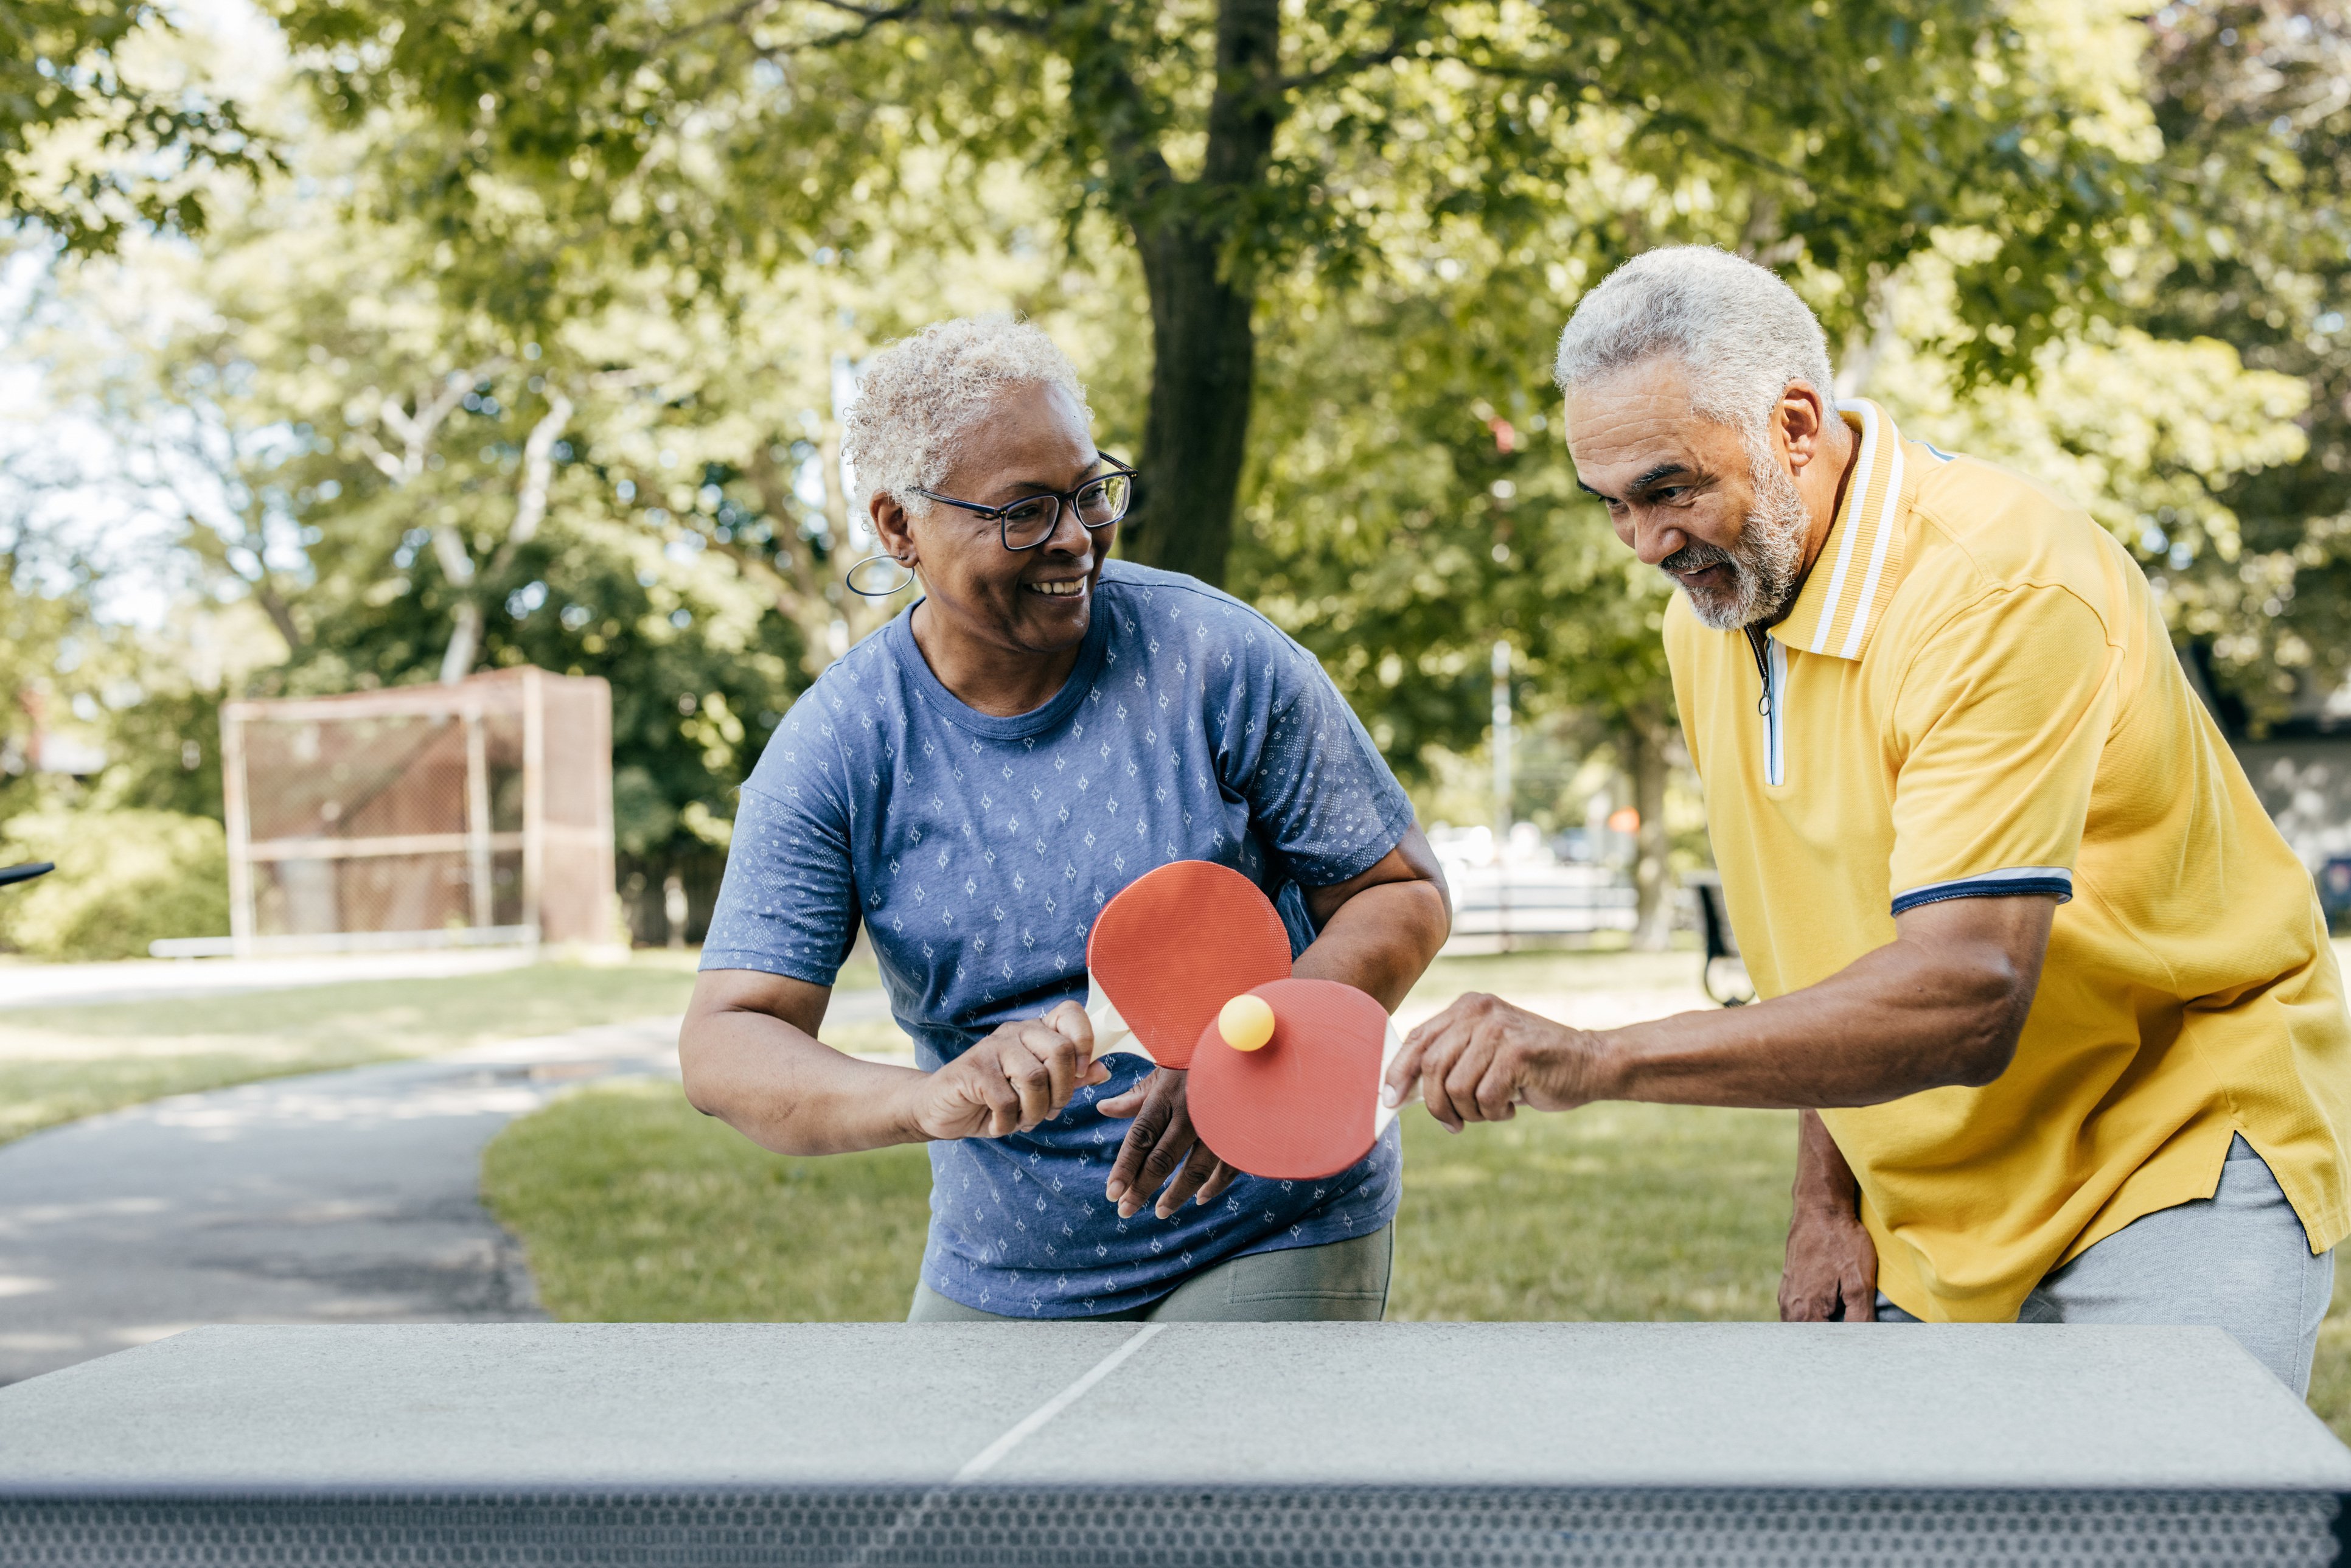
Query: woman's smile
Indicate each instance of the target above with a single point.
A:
(1059, 588)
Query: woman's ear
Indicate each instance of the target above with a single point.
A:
(893, 527)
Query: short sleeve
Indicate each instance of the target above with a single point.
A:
(788, 905)
(1319, 792)
(1997, 730)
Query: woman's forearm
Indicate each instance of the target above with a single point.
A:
(1381, 940)
(786, 1091)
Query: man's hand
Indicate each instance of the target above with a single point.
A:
(1160, 1142)
(1016, 1078)
(1481, 1059)
(1831, 1274)
(1831, 1271)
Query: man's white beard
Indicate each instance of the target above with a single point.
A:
(1765, 562)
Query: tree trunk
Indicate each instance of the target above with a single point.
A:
(1647, 735)
(1203, 346)
(1197, 434)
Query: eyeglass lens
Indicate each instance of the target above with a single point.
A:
(1100, 504)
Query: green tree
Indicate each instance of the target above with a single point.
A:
(1229, 144)
(104, 130)
(2249, 95)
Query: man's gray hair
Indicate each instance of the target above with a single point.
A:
(1741, 333)
(920, 396)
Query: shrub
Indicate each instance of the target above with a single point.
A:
(123, 879)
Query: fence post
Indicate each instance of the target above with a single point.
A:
(478, 818)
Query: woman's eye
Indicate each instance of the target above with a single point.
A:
(1024, 512)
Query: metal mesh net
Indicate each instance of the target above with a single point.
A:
(481, 807)
(1197, 1527)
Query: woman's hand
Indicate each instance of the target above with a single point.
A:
(1481, 1059)
(1161, 1141)
(1018, 1076)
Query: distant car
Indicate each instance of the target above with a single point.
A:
(2335, 892)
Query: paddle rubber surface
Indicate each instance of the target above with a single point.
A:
(1306, 1104)
(1176, 945)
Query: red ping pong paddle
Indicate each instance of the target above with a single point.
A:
(1306, 1104)
(1174, 946)
(1190, 966)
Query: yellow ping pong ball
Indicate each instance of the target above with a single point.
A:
(1245, 1022)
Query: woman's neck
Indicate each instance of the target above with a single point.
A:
(1000, 682)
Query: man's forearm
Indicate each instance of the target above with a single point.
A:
(1825, 1182)
(1381, 940)
(1940, 1005)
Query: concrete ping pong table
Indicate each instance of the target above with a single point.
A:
(1420, 1444)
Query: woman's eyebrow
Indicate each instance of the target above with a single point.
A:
(1048, 485)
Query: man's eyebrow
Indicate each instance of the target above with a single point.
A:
(1662, 471)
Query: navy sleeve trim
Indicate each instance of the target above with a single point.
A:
(2016, 882)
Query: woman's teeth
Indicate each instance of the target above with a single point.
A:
(1068, 589)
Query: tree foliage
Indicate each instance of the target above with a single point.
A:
(1231, 143)
(97, 136)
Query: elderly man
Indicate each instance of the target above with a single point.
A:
(2053, 997)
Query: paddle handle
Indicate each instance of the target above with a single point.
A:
(1112, 1036)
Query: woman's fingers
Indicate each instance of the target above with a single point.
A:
(1151, 1111)
(1218, 1179)
(1198, 1166)
(1175, 1140)
(1024, 1059)
(999, 1103)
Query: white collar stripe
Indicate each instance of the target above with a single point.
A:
(1877, 553)
(1844, 546)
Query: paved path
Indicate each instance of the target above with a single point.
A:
(348, 1196)
(344, 1196)
(159, 980)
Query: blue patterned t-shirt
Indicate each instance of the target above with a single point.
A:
(977, 850)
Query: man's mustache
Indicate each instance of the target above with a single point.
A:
(1695, 557)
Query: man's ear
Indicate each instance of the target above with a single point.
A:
(1802, 419)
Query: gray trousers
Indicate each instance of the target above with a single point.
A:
(2238, 1260)
(1339, 1281)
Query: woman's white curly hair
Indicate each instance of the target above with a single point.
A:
(920, 396)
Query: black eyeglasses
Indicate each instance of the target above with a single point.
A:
(1031, 520)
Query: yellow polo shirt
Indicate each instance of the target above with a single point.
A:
(1972, 696)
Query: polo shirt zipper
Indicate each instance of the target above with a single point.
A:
(1770, 657)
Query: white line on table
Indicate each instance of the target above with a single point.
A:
(985, 1460)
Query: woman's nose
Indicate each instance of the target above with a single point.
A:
(1068, 536)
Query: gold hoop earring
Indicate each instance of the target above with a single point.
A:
(849, 578)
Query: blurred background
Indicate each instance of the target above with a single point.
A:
(421, 497)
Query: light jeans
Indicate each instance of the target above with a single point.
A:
(1339, 1281)
(2238, 1260)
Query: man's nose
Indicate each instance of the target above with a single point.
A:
(1653, 539)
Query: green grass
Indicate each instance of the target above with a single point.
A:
(633, 1208)
(63, 1062)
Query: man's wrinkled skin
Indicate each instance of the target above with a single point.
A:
(1941, 1004)
(1002, 630)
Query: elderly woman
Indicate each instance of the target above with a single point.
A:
(973, 782)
